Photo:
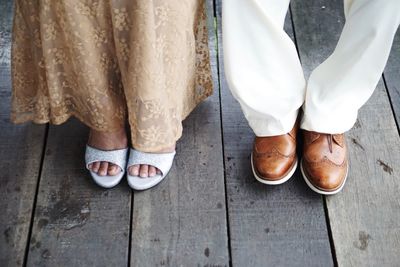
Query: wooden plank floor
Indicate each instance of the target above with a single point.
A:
(210, 211)
(21, 150)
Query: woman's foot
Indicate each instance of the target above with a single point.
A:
(144, 170)
(107, 141)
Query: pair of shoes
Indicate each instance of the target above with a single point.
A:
(324, 165)
(162, 161)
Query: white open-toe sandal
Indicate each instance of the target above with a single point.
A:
(162, 161)
(117, 157)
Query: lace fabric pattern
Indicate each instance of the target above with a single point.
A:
(108, 62)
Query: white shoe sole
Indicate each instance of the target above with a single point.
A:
(315, 189)
(278, 182)
(107, 181)
(140, 184)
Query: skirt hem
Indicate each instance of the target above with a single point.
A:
(20, 119)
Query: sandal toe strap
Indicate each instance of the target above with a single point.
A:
(117, 157)
(162, 161)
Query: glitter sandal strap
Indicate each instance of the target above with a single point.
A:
(161, 161)
(117, 157)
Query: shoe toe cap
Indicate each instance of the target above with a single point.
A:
(273, 169)
(326, 178)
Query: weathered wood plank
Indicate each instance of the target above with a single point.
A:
(392, 77)
(364, 217)
(283, 225)
(21, 149)
(76, 222)
(182, 221)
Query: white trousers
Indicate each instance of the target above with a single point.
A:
(264, 72)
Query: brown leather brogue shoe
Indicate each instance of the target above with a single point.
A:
(274, 158)
(325, 162)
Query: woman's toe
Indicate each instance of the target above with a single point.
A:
(134, 170)
(96, 166)
(158, 171)
(113, 169)
(152, 171)
(144, 171)
(103, 168)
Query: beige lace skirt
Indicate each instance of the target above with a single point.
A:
(108, 62)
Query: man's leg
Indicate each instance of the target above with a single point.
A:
(341, 85)
(265, 76)
(261, 64)
(345, 81)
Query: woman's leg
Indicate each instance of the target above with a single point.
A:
(63, 65)
(344, 82)
(163, 57)
(261, 64)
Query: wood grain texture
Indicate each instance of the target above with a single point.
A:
(392, 77)
(20, 158)
(364, 217)
(281, 225)
(76, 222)
(182, 221)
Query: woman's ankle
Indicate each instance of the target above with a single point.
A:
(108, 140)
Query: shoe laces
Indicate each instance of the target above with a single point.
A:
(330, 141)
